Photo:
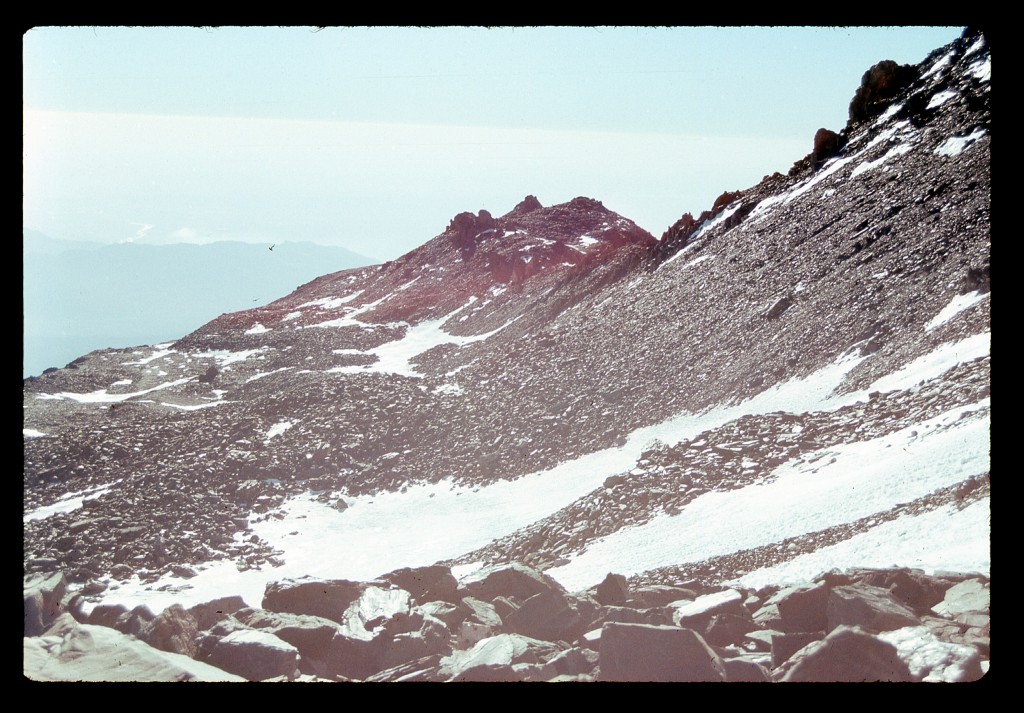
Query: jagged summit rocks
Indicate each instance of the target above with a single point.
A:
(474, 254)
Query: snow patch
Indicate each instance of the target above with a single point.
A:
(31, 433)
(102, 397)
(940, 98)
(277, 429)
(939, 64)
(858, 480)
(69, 502)
(224, 357)
(394, 357)
(256, 329)
(891, 153)
(946, 539)
(981, 70)
(262, 374)
(956, 305)
(956, 144)
(160, 353)
(935, 363)
(330, 302)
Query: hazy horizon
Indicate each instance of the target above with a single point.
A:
(373, 138)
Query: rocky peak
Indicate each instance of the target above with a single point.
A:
(527, 205)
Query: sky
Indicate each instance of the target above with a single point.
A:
(374, 138)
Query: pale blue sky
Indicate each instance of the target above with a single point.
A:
(374, 138)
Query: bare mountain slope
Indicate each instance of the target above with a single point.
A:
(803, 367)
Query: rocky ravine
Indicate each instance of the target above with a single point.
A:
(508, 345)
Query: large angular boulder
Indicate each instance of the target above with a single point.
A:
(174, 630)
(311, 635)
(785, 645)
(971, 595)
(871, 608)
(209, 613)
(106, 614)
(640, 652)
(510, 580)
(255, 655)
(547, 616)
(70, 651)
(912, 587)
(425, 584)
(368, 625)
(848, 654)
(803, 608)
(613, 590)
(698, 613)
(932, 660)
(741, 670)
(43, 594)
(327, 598)
(501, 652)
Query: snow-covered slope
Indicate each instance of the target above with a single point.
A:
(796, 380)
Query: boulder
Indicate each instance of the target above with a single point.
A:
(575, 661)
(932, 660)
(868, 607)
(134, 622)
(728, 629)
(785, 645)
(70, 651)
(424, 669)
(173, 630)
(502, 650)
(209, 613)
(848, 654)
(106, 614)
(741, 670)
(971, 595)
(914, 588)
(640, 652)
(327, 598)
(547, 616)
(43, 593)
(659, 595)
(613, 590)
(803, 608)
(510, 580)
(311, 635)
(697, 614)
(255, 655)
(425, 583)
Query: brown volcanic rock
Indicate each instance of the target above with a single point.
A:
(475, 253)
(848, 654)
(879, 86)
(640, 652)
(325, 598)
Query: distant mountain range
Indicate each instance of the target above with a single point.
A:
(81, 296)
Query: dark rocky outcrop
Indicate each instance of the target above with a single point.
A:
(879, 86)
